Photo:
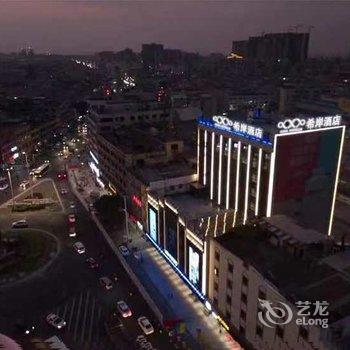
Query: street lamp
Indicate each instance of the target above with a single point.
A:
(10, 180)
(27, 165)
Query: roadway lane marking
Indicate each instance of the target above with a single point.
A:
(98, 323)
(71, 314)
(91, 321)
(85, 312)
(58, 195)
(77, 320)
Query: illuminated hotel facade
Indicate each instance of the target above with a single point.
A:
(247, 172)
(290, 167)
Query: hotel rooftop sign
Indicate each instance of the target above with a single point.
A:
(225, 123)
(305, 124)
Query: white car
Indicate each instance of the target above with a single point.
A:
(72, 205)
(124, 309)
(145, 325)
(79, 247)
(20, 224)
(24, 185)
(124, 250)
(55, 321)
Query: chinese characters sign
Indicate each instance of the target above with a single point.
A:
(227, 124)
(299, 124)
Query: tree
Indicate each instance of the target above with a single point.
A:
(110, 209)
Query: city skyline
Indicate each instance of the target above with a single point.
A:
(203, 27)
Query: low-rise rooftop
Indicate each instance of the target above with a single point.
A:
(305, 277)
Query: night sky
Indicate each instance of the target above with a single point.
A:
(198, 26)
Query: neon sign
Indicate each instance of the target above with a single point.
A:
(299, 124)
(136, 200)
(227, 124)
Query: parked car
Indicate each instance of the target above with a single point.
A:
(25, 329)
(106, 283)
(124, 250)
(20, 224)
(145, 325)
(55, 321)
(124, 309)
(79, 247)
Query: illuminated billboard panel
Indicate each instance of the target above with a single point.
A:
(153, 223)
(193, 273)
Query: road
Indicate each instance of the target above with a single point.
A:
(70, 288)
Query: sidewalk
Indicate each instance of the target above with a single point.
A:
(172, 296)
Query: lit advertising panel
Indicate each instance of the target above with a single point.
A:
(305, 172)
(193, 271)
(171, 238)
(153, 223)
(194, 265)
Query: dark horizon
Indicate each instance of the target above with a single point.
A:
(86, 27)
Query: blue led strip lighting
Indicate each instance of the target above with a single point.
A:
(212, 125)
(178, 271)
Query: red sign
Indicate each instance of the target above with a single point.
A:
(136, 200)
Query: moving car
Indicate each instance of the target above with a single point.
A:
(72, 205)
(124, 250)
(72, 232)
(64, 191)
(71, 218)
(20, 224)
(25, 328)
(106, 283)
(92, 263)
(79, 247)
(62, 175)
(55, 321)
(24, 185)
(124, 309)
(145, 325)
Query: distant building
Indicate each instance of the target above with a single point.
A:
(152, 54)
(274, 48)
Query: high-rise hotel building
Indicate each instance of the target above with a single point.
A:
(287, 167)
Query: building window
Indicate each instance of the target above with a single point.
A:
(216, 286)
(228, 315)
(174, 147)
(243, 315)
(245, 281)
(230, 267)
(279, 331)
(304, 333)
(229, 284)
(217, 256)
(216, 271)
(259, 331)
(244, 298)
(228, 299)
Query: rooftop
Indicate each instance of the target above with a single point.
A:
(307, 278)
